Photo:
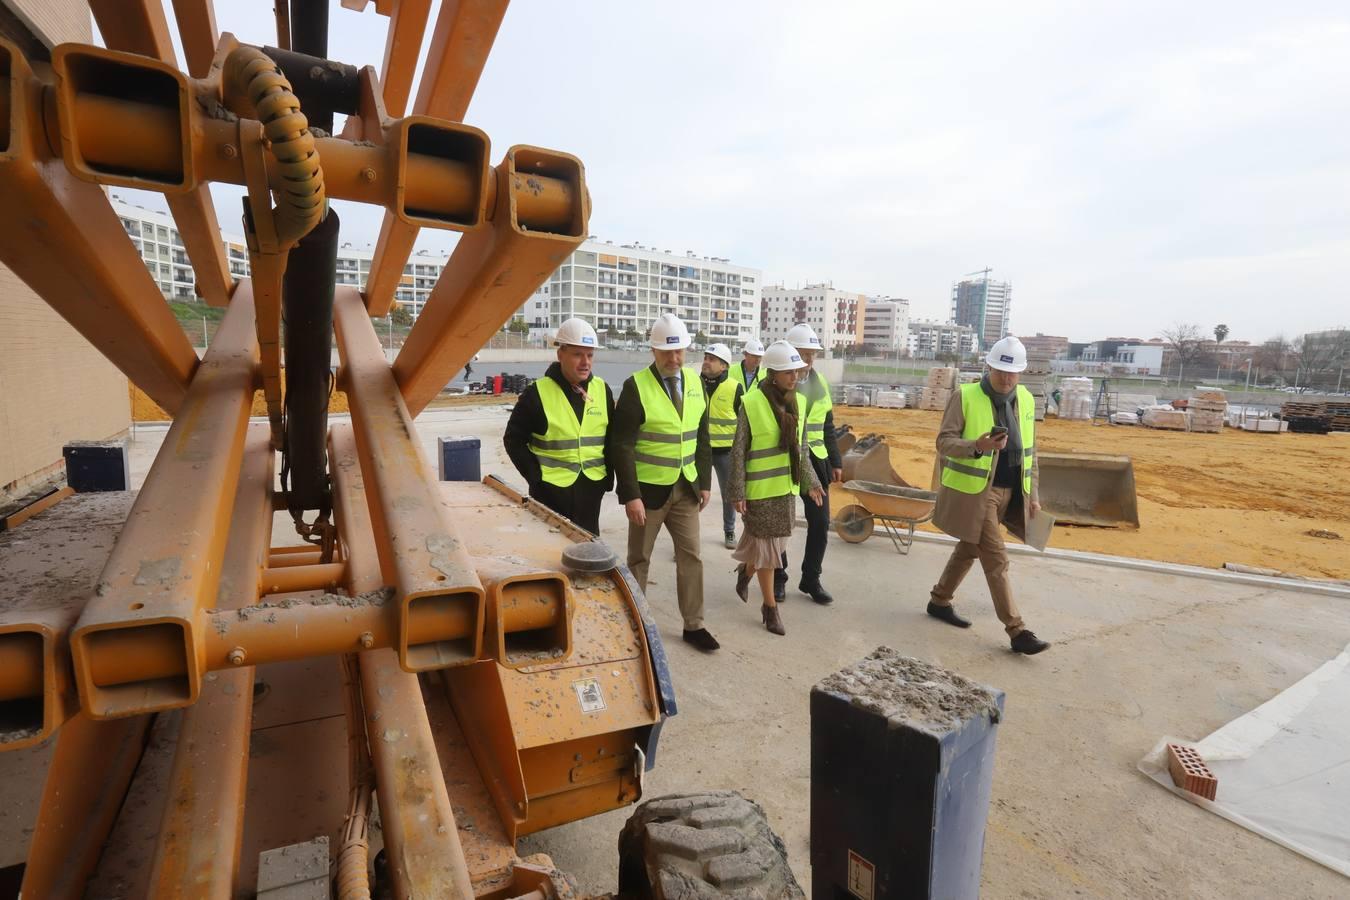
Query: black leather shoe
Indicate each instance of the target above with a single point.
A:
(779, 591)
(702, 640)
(948, 615)
(1027, 642)
(816, 593)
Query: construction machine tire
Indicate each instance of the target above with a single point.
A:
(854, 523)
(707, 845)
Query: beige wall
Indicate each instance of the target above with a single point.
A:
(54, 387)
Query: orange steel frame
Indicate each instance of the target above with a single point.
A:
(194, 585)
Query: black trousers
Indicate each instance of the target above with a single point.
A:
(817, 531)
(579, 502)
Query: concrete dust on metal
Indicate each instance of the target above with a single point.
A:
(919, 693)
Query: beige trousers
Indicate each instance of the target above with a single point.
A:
(680, 518)
(993, 557)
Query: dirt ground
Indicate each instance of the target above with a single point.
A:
(1204, 499)
(143, 409)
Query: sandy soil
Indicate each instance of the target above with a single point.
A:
(1204, 499)
(143, 409)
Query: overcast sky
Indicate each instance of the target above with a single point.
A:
(1126, 165)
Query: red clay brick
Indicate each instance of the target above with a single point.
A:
(1189, 771)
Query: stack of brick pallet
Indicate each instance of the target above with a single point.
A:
(1206, 409)
(890, 400)
(1075, 398)
(1306, 416)
(1034, 379)
(1164, 417)
(938, 389)
(1338, 411)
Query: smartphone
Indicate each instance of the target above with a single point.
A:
(997, 431)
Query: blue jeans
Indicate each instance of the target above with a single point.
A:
(722, 466)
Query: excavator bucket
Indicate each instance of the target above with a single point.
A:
(1089, 489)
(869, 459)
(845, 438)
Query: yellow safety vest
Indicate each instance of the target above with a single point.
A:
(768, 471)
(971, 476)
(722, 415)
(570, 448)
(738, 375)
(666, 443)
(815, 417)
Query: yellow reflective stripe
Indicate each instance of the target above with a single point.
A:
(540, 444)
(724, 422)
(656, 460)
(768, 473)
(658, 437)
(764, 453)
(548, 462)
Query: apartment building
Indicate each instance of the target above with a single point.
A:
(930, 340)
(1046, 346)
(886, 324)
(984, 306)
(837, 316)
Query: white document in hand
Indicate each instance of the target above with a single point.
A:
(1039, 527)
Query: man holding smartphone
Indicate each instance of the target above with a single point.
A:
(987, 478)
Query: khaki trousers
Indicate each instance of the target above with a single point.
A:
(680, 517)
(993, 557)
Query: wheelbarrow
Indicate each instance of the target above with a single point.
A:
(898, 509)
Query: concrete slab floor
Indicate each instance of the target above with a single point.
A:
(1136, 656)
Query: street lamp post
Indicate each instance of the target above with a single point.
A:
(1246, 391)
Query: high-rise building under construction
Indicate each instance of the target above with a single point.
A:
(984, 306)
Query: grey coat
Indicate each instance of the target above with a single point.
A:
(775, 516)
(960, 514)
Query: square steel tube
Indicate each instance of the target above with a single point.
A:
(138, 646)
(491, 273)
(440, 599)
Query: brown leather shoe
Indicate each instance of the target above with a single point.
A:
(772, 620)
(743, 583)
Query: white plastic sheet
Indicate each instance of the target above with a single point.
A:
(1284, 767)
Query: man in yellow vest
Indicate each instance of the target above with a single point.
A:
(556, 435)
(746, 372)
(826, 460)
(724, 401)
(662, 458)
(987, 477)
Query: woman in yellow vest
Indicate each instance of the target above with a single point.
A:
(769, 468)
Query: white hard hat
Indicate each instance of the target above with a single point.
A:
(721, 351)
(1008, 355)
(753, 347)
(576, 332)
(783, 357)
(802, 337)
(669, 333)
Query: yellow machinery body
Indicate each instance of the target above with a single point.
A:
(182, 693)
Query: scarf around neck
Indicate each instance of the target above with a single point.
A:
(1005, 414)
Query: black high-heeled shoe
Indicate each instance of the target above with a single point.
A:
(743, 583)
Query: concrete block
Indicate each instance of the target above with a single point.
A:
(297, 872)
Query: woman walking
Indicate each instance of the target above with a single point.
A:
(767, 474)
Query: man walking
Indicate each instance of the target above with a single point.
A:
(746, 372)
(556, 434)
(660, 452)
(724, 401)
(825, 458)
(987, 451)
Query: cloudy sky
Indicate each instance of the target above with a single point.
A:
(1127, 165)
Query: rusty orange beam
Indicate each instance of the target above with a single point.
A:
(460, 43)
(197, 854)
(426, 858)
(87, 779)
(165, 567)
(62, 237)
(197, 30)
(140, 26)
(490, 274)
(247, 548)
(402, 49)
(289, 579)
(419, 550)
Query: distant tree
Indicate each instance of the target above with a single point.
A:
(518, 326)
(401, 316)
(1320, 355)
(632, 334)
(700, 338)
(1188, 346)
(1220, 333)
(1270, 358)
(949, 358)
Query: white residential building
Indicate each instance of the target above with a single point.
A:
(886, 324)
(623, 288)
(929, 340)
(836, 316)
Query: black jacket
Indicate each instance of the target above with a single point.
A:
(528, 418)
(623, 428)
(712, 384)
